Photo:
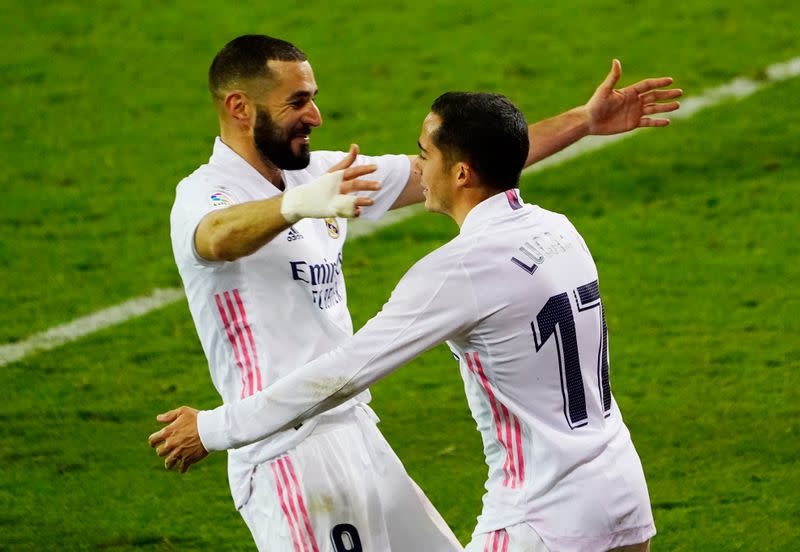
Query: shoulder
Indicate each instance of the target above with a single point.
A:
(207, 183)
(444, 262)
(322, 160)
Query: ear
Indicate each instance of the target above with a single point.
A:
(238, 108)
(464, 175)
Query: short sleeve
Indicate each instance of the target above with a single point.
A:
(194, 199)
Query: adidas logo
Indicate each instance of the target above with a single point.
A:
(293, 234)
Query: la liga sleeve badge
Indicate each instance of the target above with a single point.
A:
(221, 199)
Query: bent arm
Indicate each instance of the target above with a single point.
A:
(239, 230)
(422, 312)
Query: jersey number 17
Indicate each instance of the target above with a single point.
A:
(556, 319)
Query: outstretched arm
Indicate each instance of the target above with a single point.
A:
(421, 313)
(608, 111)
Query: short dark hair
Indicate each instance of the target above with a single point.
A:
(245, 58)
(485, 130)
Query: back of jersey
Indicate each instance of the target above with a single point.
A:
(536, 373)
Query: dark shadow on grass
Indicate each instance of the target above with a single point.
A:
(96, 416)
(151, 541)
(670, 505)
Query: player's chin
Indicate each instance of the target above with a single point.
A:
(300, 143)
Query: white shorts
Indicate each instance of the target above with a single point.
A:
(523, 538)
(342, 489)
(517, 538)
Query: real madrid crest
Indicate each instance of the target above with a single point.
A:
(333, 227)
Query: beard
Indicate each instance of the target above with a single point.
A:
(274, 144)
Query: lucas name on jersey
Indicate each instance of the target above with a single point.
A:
(537, 249)
(324, 280)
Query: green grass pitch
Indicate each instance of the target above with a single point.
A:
(694, 230)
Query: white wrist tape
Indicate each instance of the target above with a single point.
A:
(319, 198)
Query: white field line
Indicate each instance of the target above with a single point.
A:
(80, 327)
(736, 89)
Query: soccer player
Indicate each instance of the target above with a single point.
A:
(266, 291)
(516, 297)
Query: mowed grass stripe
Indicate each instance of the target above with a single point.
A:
(54, 337)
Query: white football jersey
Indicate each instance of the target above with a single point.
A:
(516, 296)
(264, 315)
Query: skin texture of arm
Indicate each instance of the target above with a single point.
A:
(240, 230)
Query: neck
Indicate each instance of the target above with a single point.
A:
(466, 202)
(245, 147)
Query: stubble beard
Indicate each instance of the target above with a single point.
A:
(274, 144)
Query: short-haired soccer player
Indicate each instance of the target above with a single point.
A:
(257, 235)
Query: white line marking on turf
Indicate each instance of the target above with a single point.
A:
(80, 327)
(54, 337)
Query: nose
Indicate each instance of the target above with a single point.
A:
(312, 116)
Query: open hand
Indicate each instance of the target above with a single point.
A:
(350, 183)
(614, 111)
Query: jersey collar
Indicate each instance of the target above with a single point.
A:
(223, 156)
(498, 205)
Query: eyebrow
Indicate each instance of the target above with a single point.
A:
(301, 94)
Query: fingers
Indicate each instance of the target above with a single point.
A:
(165, 448)
(647, 85)
(613, 75)
(660, 95)
(349, 186)
(171, 460)
(185, 463)
(348, 160)
(364, 201)
(157, 437)
(648, 122)
(650, 109)
(168, 417)
(361, 170)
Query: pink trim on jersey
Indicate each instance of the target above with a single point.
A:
(306, 519)
(493, 404)
(293, 497)
(240, 334)
(518, 434)
(493, 540)
(507, 423)
(284, 508)
(231, 337)
(510, 441)
(249, 336)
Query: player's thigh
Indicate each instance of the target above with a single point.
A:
(319, 496)
(412, 522)
(517, 538)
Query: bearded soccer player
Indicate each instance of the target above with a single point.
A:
(257, 234)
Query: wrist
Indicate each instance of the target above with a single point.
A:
(211, 429)
(582, 120)
(319, 198)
